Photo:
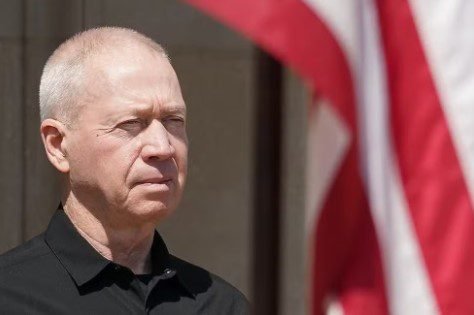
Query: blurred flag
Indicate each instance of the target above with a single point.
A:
(391, 145)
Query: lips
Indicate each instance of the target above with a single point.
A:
(154, 180)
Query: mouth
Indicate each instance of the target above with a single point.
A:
(163, 181)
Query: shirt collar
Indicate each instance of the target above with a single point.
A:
(84, 263)
(77, 256)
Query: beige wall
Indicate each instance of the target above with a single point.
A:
(11, 118)
(293, 267)
(213, 226)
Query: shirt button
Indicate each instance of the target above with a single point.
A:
(168, 273)
(117, 267)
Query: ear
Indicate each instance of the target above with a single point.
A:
(53, 136)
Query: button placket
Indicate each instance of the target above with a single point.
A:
(168, 273)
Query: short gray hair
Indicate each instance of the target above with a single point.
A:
(64, 72)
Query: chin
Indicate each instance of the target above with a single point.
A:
(151, 212)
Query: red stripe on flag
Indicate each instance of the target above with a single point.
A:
(346, 249)
(431, 173)
(291, 32)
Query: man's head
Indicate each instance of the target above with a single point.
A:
(113, 121)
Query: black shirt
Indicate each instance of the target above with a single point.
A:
(58, 272)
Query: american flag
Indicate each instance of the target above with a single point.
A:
(391, 146)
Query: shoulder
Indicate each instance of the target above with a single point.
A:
(25, 263)
(24, 255)
(21, 271)
(206, 285)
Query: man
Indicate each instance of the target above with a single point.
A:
(113, 124)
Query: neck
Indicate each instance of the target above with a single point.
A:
(128, 246)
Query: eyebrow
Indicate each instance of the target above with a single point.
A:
(140, 109)
(175, 109)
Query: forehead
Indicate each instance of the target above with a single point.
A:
(134, 80)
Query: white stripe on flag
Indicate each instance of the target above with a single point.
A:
(409, 290)
(446, 30)
(341, 17)
(335, 308)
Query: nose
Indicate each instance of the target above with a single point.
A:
(156, 143)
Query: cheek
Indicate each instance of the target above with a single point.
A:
(106, 161)
(117, 158)
(83, 160)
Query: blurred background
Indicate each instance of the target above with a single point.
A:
(219, 75)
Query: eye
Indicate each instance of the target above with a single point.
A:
(175, 120)
(174, 124)
(132, 125)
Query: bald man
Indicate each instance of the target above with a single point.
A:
(113, 123)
